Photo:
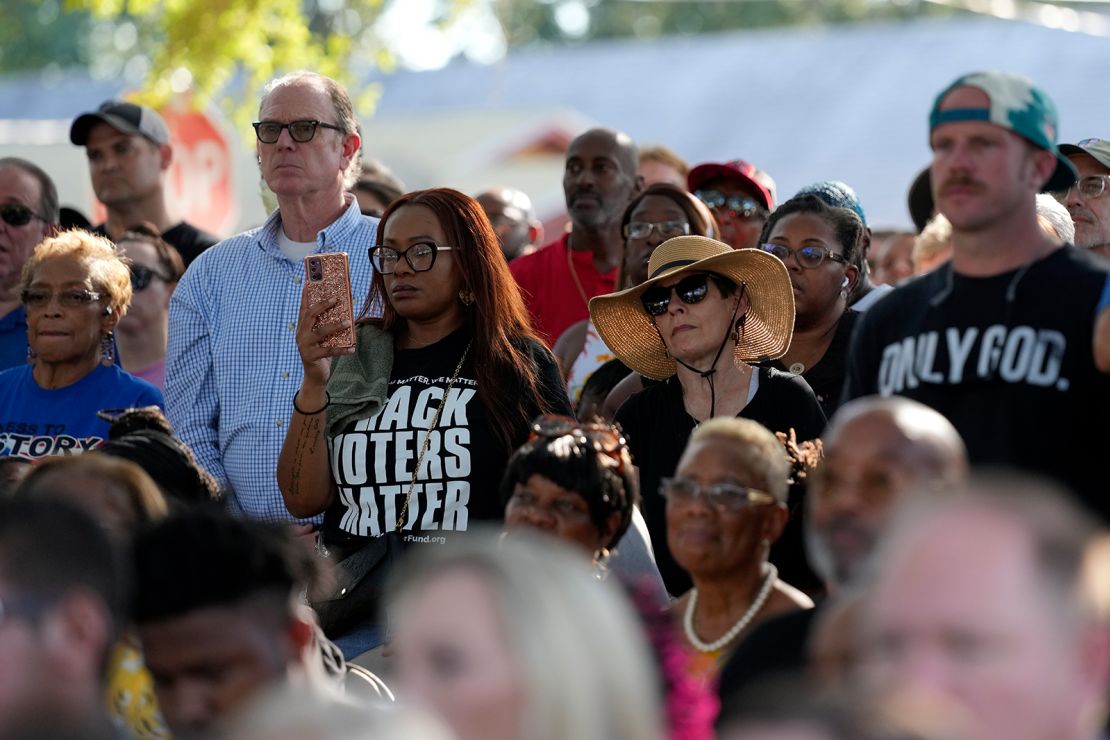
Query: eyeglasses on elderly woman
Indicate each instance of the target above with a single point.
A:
(722, 496)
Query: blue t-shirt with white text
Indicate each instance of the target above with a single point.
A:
(36, 421)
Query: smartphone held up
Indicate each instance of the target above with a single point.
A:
(327, 277)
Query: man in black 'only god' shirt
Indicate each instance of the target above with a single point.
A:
(1000, 339)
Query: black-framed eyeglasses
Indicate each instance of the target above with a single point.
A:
(806, 257)
(1089, 186)
(16, 214)
(420, 256)
(741, 206)
(690, 290)
(141, 277)
(268, 132)
(603, 438)
(665, 229)
(75, 298)
(724, 496)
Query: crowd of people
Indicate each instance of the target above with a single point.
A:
(711, 463)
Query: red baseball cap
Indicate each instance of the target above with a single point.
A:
(758, 181)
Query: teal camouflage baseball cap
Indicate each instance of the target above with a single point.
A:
(1016, 104)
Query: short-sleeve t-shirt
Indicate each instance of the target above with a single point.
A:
(188, 240)
(373, 459)
(657, 427)
(549, 288)
(1008, 359)
(37, 422)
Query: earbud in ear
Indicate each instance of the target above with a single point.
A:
(844, 283)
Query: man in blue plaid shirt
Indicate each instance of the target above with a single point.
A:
(232, 366)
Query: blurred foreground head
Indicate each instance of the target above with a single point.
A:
(62, 593)
(978, 599)
(515, 639)
(217, 614)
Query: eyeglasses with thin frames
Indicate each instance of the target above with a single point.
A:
(723, 496)
(302, 132)
(1089, 186)
(421, 257)
(807, 257)
(665, 229)
(38, 299)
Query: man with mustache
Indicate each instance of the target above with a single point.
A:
(1088, 201)
(999, 339)
(877, 451)
(558, 281)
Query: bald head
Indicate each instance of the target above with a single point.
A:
(600, 179)
(876, 450)
(510, 213)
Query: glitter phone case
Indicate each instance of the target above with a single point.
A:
(326, 277)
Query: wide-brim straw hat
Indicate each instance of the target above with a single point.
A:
(630, 333)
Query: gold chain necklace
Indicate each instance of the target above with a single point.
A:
(427, 437)
(574, 275)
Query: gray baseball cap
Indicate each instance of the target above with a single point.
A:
(1097, 148)
(122, 116)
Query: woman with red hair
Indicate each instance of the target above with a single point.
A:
(407, 434)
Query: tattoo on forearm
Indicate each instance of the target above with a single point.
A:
(308, 438)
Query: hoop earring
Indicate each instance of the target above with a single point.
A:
(107, 350)
(466, 296)
(601, 564)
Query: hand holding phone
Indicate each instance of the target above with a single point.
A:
(326, 326)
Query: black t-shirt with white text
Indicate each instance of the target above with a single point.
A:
(1008, 359)
(658, 427)
(372, 460)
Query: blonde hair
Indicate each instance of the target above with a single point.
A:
(587, 671)
(663, 155)
(762, 452)
(933, 239)
(108, 268)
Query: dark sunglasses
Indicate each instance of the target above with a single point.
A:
(268, 132)
(689, 290)
(740, 206)
(17, 215)
(603, 438)
(141, 277)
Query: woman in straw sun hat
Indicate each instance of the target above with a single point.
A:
(704, 313)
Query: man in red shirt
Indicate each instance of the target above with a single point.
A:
(558, 281)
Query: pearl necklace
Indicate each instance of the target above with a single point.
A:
(760, 599)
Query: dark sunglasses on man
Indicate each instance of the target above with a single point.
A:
(16, 214)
